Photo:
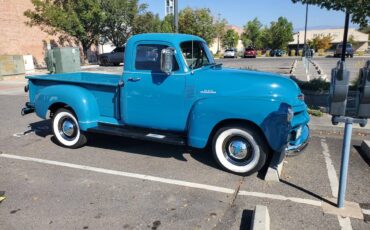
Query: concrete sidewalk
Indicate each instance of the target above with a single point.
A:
(324, 124)
(306, 74)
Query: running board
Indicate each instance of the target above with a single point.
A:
(140, 133)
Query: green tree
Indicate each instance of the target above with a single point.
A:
(230, 39)
(147, 22)
(198, 22)
(280, 33)
(353, 41)
(81, 19)
(167, 24)
(359, 9)
(120, 18)
(252, 33)
(265, 38)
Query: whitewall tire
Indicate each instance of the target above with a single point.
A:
(66, 129)
(239, 150)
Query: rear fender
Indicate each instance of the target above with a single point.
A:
(268, 114)
(82, 102)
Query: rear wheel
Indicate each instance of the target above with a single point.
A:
(66, 129)
(239, 150)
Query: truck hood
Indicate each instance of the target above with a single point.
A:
(244, 83)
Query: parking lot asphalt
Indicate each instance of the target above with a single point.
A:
(119, 183)
(352, 64)
(276, 65)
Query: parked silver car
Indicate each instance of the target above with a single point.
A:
(231, 53)
(115, 57)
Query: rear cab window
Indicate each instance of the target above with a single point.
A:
(148, 57)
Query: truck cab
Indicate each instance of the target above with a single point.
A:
(172, 91)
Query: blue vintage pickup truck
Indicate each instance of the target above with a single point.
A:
(172, 91)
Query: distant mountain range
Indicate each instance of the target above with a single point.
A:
(320, 28)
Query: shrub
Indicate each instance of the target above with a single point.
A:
(360, 53)
(300, 52)
(217, 55)
(315, 112)
(259, 53)
(321, 52)
(292, 52)
(317, 84)
(268, 53)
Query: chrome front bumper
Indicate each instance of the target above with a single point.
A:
(301, 142)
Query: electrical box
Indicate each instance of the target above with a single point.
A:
(63, 60)
(363, 107)
(338, 90)
(11, 65)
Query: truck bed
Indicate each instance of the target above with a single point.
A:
(80, 78)
(102, 86)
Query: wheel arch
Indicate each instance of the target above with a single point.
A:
(78, 99)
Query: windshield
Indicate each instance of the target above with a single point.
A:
(196, 54)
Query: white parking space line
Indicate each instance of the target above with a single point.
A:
(164, 180)
(333, 179)
(344, 222)
(366, 212)
(281, 197)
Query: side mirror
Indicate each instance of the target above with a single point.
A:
(167, 60)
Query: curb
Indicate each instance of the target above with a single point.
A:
(332, 128)
(293, 67)
(261, 218)
(273, 174)
(365, 147)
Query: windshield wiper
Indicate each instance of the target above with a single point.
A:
(215, 65)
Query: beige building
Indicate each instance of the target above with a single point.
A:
(337, 34)
(217, 44)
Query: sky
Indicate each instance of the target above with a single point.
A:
(238, 12)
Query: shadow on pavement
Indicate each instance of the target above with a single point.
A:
(132, 146)
(246, 221)
(307, 191)
(362, 154)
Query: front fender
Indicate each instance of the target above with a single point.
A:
(78, 98)
(268, 114)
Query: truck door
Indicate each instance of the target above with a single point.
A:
(151, 98)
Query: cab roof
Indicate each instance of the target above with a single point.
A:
(167, 37)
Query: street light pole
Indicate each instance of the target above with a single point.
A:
(297, 52)
(305, 31)
(176, 15)
(345, 37)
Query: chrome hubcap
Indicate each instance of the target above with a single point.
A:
(68, 128)
(238, 149)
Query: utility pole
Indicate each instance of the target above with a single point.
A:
(297, 53)
(305, 32)
(176, 15)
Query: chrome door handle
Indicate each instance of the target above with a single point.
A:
(134, 79)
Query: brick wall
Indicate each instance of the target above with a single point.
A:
(18, 38)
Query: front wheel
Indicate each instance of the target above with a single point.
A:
(239, 150)
(66, 129)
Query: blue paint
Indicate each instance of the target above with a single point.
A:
(192, 102)
(344, 163)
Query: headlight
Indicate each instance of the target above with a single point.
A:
(290, 114)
